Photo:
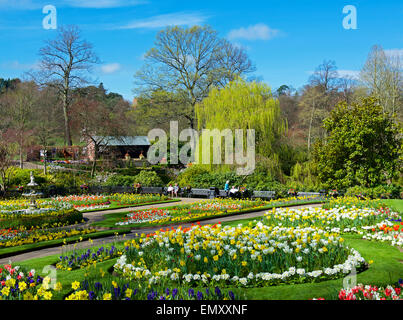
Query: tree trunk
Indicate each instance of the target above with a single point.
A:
(67, 133)
(310, 128)
(21, 157)
(94, 163)
(45, 171)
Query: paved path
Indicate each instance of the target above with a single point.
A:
(134, 233)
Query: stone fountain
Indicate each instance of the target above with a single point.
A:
(33, 194)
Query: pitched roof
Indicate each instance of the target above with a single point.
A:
(125, 141)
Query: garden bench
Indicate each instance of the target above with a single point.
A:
(308, 194)
(264, 194)
(200, 193)
(152, 190)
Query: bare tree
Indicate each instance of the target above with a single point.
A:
(326, 76)
(382, 75)
(6, 167)
(190, 61)
(96, 124)
(20, 104)
(65, 63)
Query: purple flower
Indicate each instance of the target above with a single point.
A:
(218, 291)
(199, 295)
(174, 292)
(191, 293)
(231, 295)
(91, 295)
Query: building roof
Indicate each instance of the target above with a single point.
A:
(125, 141)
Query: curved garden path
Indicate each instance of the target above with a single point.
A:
(97, 216)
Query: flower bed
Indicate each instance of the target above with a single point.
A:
(81, 259)
(259, 256)
(368, 292)
(119, 289)
(19, 284)
(200, 210)
(96, 202)
(339, 217)
(18, 238)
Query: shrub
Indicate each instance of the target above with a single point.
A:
(379, 192)
(22, 177)
(119, 180)
(148, 179)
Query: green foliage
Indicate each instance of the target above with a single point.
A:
(304, 177)
(361, 147)
(148, 179)
(21, 177)
(119, 180)
(67, 179)
(379, 192)
(244, 105)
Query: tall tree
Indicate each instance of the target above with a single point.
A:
(362, 146)
(382, 74)
(96, 123)
(65, 64)
(20, 104)
(190, 61)
(244, 105)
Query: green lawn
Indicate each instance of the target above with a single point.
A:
(395, 204)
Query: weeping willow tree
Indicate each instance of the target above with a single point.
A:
(243, 105)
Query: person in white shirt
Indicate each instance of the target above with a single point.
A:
(171, 190)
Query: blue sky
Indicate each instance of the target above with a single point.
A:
(286, 39)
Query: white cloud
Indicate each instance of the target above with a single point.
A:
(110, 68)
(160, 21)
(394, 52)
(258, 31)
(354, 74)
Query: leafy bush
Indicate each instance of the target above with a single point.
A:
(380, 192)
(148, 179)
(66, 179)
(21, 177)
(119, 180)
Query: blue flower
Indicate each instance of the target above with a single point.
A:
(91, 295)
(98, 286)
(218, 291)
(167, 291)
(231, 295)
(191, 293)
(199, 295)
(174, 292)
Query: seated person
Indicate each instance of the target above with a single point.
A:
(171, 190)
(137, 186)
(233, 192)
